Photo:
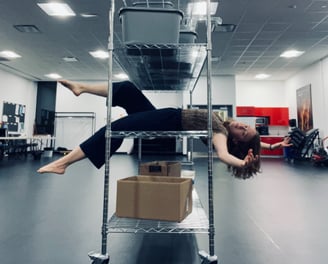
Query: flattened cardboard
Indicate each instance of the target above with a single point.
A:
(154, 197)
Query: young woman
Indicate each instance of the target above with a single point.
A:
(236, 144)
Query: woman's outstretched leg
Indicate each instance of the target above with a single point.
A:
(129, 97)
(79, 88)
(59, 166)
(125, 94)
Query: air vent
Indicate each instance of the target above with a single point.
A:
(27, 28)
(3, 59)
(225, 28)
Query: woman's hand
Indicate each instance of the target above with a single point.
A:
(282, 144)
(250, 158)
(286, 142)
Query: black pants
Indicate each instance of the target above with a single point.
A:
(142, 116)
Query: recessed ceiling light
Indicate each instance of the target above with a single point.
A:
(9, 54)
(70, 59)
(194, 54)
(99, 54)
(57, 9)
(200, 8)
(262, 76)
(88, 15)
(291, 53)
(122, 76)
(53, 76)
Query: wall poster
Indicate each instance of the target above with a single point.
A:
(13, 117)
(304, 108)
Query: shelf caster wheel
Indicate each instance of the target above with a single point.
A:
(207, 259)
(98, 258)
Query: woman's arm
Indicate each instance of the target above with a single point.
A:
(220, 144)
(282, 144)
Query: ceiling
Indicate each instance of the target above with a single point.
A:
(264, 29)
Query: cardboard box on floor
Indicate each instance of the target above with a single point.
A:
(160, 168)
(154, 197)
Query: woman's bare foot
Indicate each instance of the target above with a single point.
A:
(74, 87)
(59, 166)
(53, 167)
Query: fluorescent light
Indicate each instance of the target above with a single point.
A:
(122, 76)
(53, 76)
(194, 54)
(57, 9)
(9, 54)
(291, 53)
(100, 54)
(70, 59)
(262, 76)
(200, 8)
(88, 15)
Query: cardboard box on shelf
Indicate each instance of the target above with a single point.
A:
(161, 168)
(154, 197)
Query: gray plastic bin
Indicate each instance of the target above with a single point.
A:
(187, 36)
(161, 4)
(150, 25)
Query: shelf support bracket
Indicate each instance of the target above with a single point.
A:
(98, 258)
(207, 259)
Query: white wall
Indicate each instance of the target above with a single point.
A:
(19, 90)
(223, 91)
(261, 93)
(66, 101)
(316, 76)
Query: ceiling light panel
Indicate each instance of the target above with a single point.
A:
(200, 8)
(54, 76)
(88, 15)
(291, 53)
(70, 59)
(262, 76)
(121, 76)
(100, 54)
(57, 9)
(9, 54)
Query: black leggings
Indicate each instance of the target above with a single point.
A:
(142, 116)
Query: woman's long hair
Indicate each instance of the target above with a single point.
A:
(240, 150)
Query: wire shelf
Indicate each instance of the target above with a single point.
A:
(196, 222)
(162, 66)
(153, 134)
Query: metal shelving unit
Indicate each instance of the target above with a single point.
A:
(161, 67)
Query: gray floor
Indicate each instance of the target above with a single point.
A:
(278, 217)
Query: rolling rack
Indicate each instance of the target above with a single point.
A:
(197, 221)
